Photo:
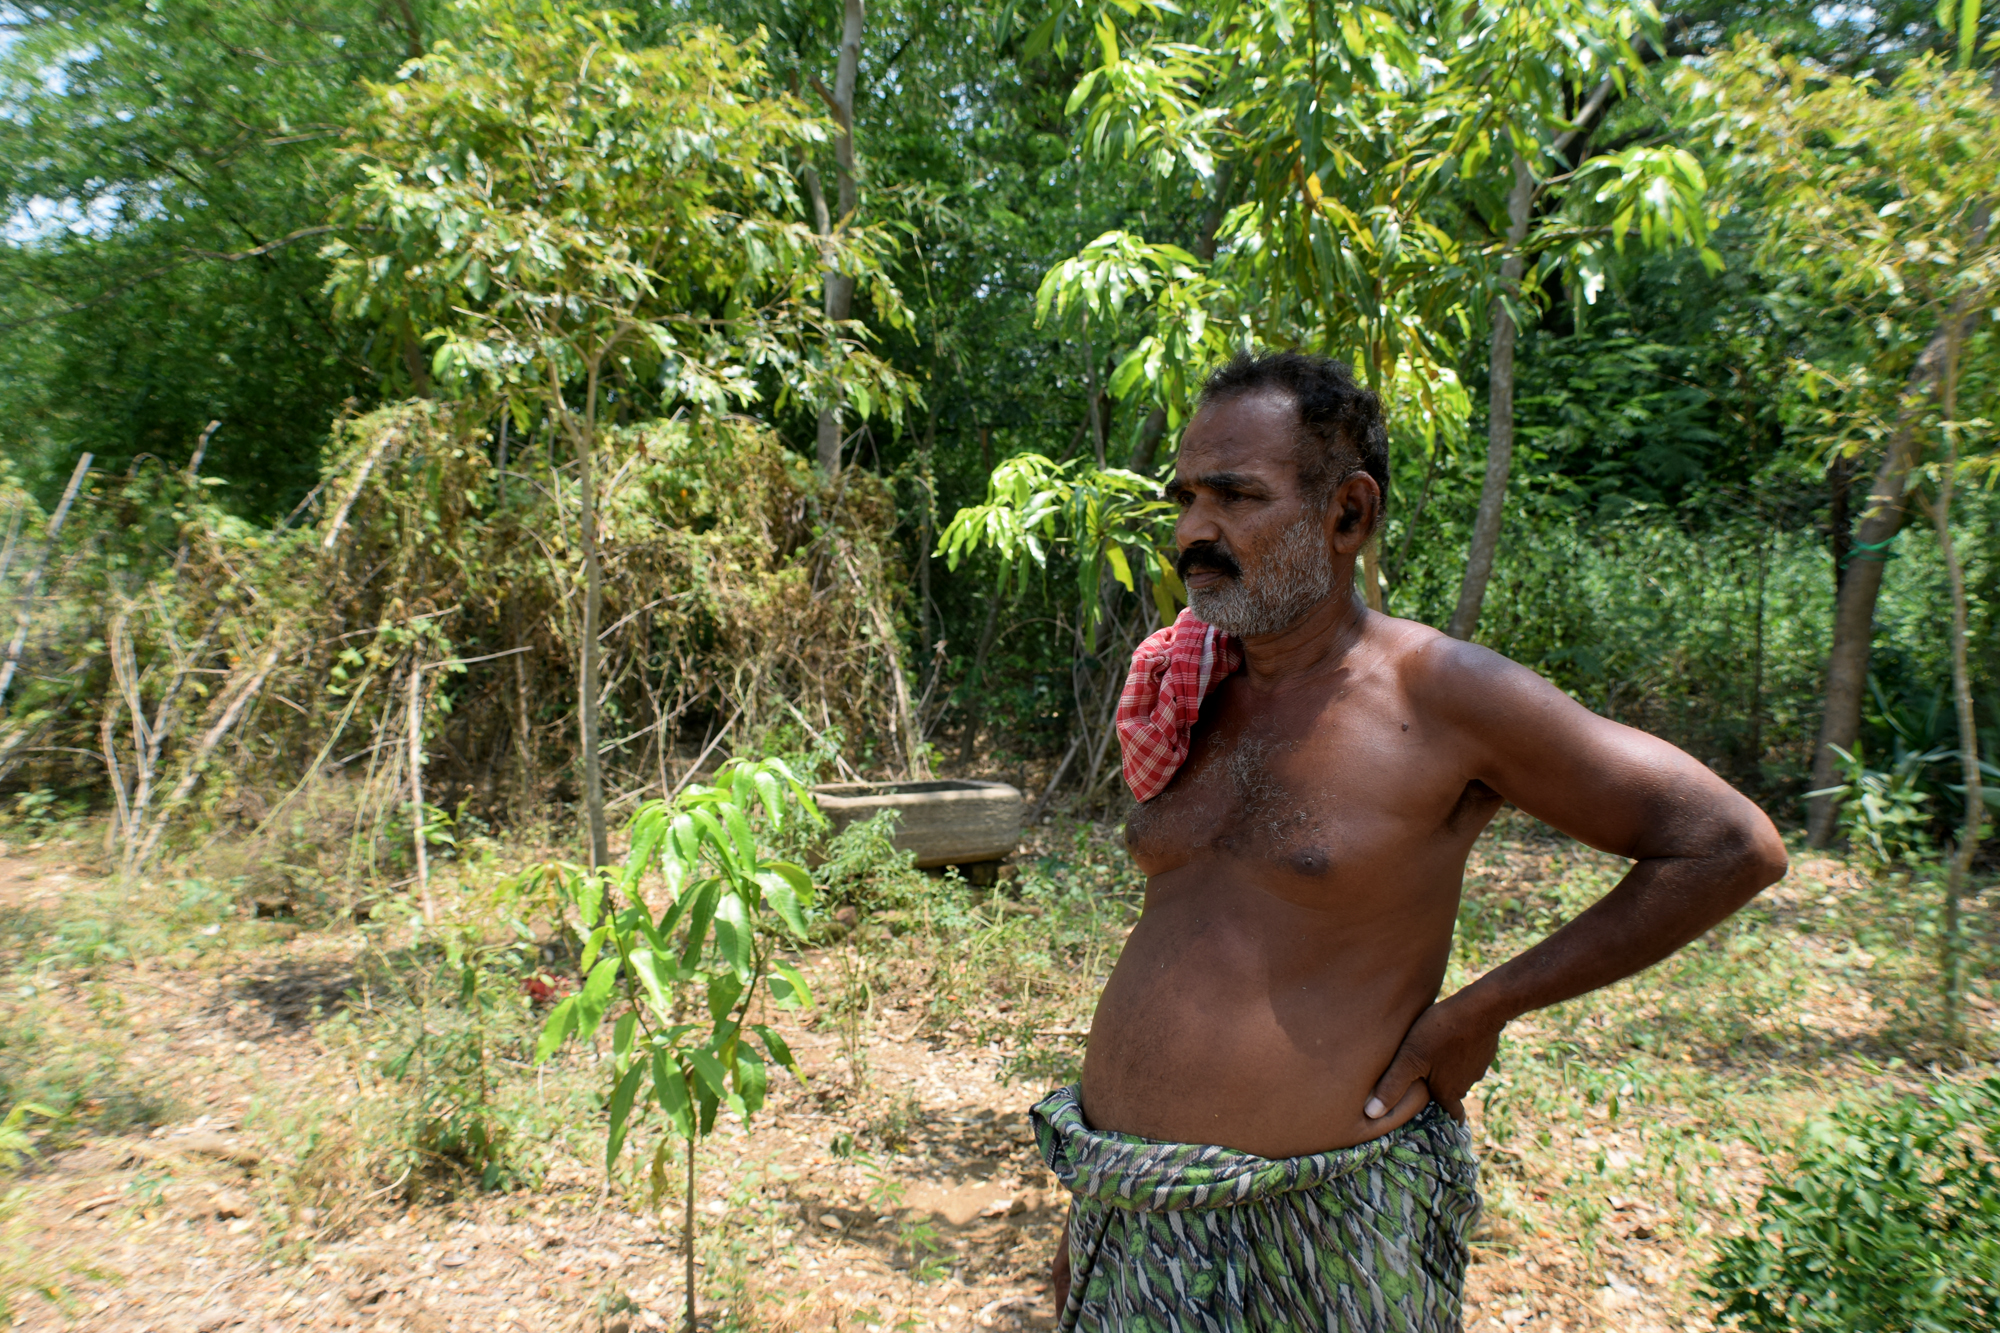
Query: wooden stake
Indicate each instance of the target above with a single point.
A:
(20, 639)
(417, 788)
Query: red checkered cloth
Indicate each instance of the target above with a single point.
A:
(1172, 672)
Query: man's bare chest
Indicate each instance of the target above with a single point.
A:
(1303, 793)
(1279, 791)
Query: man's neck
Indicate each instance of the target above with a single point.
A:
(1319, 641)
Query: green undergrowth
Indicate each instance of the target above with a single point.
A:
(1654, 1109)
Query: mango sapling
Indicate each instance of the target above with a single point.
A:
(726, 911)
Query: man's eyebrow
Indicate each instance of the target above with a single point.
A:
(1242, 482)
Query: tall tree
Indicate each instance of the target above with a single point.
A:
(576, 216)
(838, 287)
(1881, 197)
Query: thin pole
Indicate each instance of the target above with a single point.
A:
(417, 788)
(20, 640)
(687, 1231)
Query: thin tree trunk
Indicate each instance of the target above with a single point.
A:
(1961, 691)
(18, 644)
(837, 289)
(687, 1236)
(13, 531)
(1854, 611)
(1757, 651)
(1499, 414)
(1840, 516)
(1094, 414)
(339, 519)
(924, 480)
(524, 741)
(974, 714)
(593, 599)
(416, 725)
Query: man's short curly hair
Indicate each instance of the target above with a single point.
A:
(1341, 430)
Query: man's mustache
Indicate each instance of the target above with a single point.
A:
(1208, 555)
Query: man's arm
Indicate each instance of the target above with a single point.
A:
(1700, 848)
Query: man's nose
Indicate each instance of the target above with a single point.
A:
(1197, 524)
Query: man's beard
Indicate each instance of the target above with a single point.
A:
(1296, 577)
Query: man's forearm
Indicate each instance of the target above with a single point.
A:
(1661, 905)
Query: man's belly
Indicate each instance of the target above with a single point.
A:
(1242, 1019)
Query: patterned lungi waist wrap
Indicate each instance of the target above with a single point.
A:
(1166, 1237)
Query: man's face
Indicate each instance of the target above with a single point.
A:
(1254, 553)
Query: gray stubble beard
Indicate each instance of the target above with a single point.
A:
(1296, 577)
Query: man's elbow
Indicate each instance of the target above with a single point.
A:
(1761, 857)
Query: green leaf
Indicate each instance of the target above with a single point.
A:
(781, 883)
(647, 965)
(562, 1019)
(723, 993)
(734, 938)
(591, 946)
(739, 829)
(709, 1071)
(780, 1052)
(595, 997)
(751, 1079)
(710, 832)
(648, 829)
(788, 987)
(621, 1036)
(700, 916)
(772, 795)
(621, 1110)
(670, 1092)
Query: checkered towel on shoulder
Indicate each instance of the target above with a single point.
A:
(1172, 672)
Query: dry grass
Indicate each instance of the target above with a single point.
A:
(248, 1140)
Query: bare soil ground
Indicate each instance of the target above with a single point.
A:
(181, 1228)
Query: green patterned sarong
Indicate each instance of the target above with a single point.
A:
(1181, 1238)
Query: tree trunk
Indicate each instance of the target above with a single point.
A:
(1499, 414)
(1854, 610)
(1840, 516)
(587, 664)
(417, 788)
(974, 714)
(1093, 414)
(1961, 692)
(687, 1238)
(837, 288)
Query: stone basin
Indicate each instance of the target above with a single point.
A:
(945, 823)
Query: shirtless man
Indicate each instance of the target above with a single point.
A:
(1267, 1133)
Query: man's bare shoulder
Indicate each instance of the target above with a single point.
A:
(1459, 681)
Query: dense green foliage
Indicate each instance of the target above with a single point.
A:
(1697, 421)
(1890, 1220)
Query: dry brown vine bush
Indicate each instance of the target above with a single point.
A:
(270, 666)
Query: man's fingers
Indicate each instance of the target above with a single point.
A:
(1404, 1070)
(1453, 1106)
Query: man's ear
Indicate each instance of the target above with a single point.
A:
(1354, 511)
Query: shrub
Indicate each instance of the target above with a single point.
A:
(865, 870)
(1889, 1221)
